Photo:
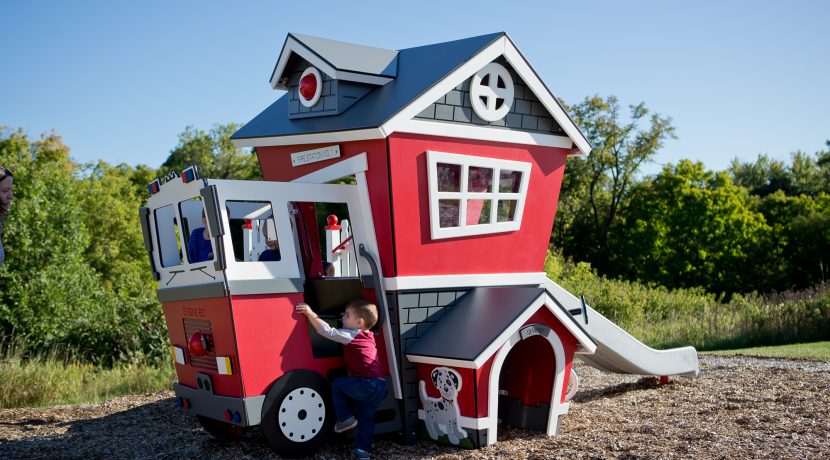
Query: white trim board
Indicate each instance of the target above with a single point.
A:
(348, 167)
(482, 133)
(404, 283)
(312, 138)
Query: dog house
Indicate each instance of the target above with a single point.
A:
(500, 355)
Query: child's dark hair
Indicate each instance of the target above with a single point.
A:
(365, 310)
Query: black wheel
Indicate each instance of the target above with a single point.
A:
(297, 415)
(222, 430)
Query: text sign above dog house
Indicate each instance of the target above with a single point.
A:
(313, 156)
(535, 329)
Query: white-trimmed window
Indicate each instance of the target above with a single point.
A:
(471, 195)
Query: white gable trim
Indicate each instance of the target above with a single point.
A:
(402, 121)
(294, 46)
(521, 66)
(458, 76)
(314, 138)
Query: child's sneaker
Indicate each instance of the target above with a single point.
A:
(345, 425)
(360, 454)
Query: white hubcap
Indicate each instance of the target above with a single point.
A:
(301, 414)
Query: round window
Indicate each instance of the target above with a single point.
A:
(491, 92)
(311, 86)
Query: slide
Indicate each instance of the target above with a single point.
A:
(619, 352)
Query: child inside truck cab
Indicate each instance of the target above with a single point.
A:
(356, 397)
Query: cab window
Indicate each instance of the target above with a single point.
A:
(194, 229)
(167, 232)
(253, 231)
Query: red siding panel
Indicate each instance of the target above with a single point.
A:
(508, 252)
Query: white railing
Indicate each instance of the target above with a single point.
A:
(340, 250)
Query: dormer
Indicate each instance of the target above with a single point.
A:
(325, 77)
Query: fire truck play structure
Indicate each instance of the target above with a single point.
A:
(446, 160)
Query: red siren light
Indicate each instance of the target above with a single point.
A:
(311, 87)
(308, 86)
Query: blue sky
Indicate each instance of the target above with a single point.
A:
(120, 80)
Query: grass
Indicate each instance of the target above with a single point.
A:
(49, 379)
(664, 318)
(815, 350)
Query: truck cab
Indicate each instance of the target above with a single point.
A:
(243, 356)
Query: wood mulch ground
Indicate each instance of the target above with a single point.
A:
(738, 407)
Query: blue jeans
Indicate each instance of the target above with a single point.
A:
(359, 397)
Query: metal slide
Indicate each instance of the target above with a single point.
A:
(618, 351)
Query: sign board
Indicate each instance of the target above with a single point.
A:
(313, 156)
(535, 329)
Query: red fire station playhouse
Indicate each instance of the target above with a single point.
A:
(455, 154)
(465, 149)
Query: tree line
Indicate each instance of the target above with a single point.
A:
(76, 272)
(759, 226)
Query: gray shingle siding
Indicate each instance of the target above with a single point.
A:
(335, 96)
(421, 309)
(526, 114)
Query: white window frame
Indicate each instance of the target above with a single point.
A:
(466, 161)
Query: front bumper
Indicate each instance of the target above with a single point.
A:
(238, 411)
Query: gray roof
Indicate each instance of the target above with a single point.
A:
(474, 322)
(350, 57)
(418, 69)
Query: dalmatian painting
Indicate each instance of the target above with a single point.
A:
(441, 415)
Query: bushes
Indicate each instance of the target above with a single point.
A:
(665, 318)
(76, 272)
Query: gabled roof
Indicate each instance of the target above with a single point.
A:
(482, 321)
(344, 61)
(423, 75)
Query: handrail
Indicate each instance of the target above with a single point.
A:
(388, 338)
(376, 281)
(342, 245)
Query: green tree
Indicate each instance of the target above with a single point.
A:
(75, 275)
(214, 154)
(691, 227)
(801, 231)
(805, 174)
(604, 181)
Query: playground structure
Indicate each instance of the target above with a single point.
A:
(453, 156)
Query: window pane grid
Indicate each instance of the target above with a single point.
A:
(488, 196)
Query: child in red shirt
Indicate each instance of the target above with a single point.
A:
(356, 397)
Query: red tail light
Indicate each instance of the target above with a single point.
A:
(198, 344)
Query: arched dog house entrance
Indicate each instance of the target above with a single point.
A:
(527, 382)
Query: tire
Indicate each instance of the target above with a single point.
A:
(297, 416)
(222, 430)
